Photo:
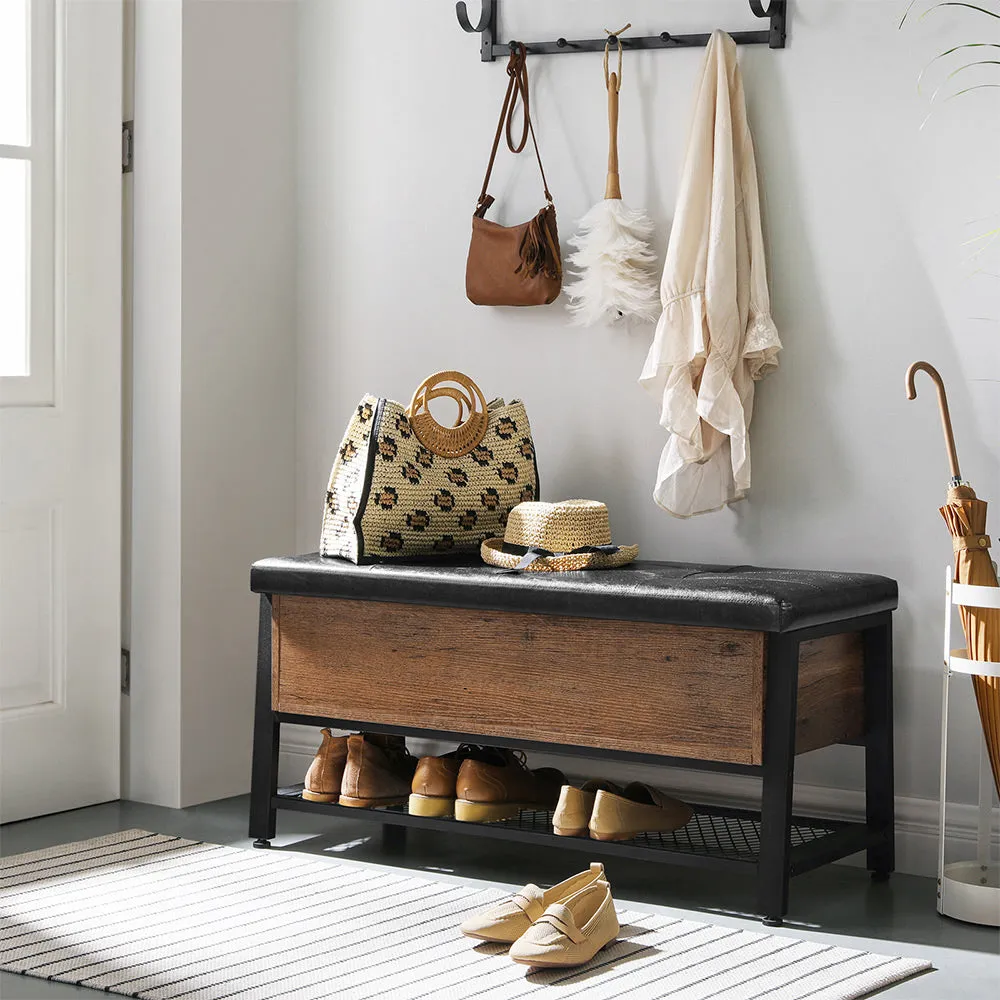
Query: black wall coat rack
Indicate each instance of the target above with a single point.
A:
(491, 47)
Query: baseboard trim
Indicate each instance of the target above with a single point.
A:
(916, 818)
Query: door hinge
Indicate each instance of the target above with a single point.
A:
(126, 671)
(128, 146)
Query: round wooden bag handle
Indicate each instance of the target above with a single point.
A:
(469, 428)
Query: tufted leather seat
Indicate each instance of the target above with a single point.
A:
(737, 597)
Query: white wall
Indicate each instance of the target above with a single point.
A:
(214, 424)
(151, 721)
(238, 407)
(866, 215)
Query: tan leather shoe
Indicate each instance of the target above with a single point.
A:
(327, 769)
(378, 771)
(571, 932)
(508, 920)
(638, 809)
(572, 815)
(433, 790)
(488, 792)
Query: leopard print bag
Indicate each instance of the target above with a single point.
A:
(403, 486)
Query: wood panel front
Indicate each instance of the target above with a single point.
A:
(831, 699)
(664, 689)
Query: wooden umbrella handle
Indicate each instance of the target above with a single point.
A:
(949, 434)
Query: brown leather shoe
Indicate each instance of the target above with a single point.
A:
(433, 790)
(488, 792)
(378, 771)
(327, 769)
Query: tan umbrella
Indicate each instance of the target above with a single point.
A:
(965, 516)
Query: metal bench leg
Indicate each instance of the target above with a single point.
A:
(773, 869)
(393, 838)
(266, 738)
(879, 791)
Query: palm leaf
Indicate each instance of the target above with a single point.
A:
(988, 240)
(978, 245)
(991, 235)
(968, 90)
(947, 3)
(906, 13)
(951, 51)
(959, 93)
(957, 3)
(955, 72)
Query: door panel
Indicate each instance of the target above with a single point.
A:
(31, 646)
(60, 452)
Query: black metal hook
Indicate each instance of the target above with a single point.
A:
(491, 47)
(775, 13)
(485, 16)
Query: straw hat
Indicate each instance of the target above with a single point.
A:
(554, 537)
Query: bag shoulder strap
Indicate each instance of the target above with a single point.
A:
(517, 70)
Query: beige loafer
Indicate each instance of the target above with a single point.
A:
(638, 809)
(508, 920)
(572, 815)
(571, 932)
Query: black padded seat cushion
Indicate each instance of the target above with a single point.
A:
(738, 597)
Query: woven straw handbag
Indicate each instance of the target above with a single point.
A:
(404, 486)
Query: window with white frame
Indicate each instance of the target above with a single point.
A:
(27, 201)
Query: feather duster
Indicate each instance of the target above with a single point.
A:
(614, 262)
(616, 266)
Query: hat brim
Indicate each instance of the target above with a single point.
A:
(492, 552)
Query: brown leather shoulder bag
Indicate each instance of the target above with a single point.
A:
(514, 265)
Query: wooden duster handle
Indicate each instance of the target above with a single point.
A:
(612, 187)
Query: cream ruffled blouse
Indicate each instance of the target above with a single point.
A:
(715, 337)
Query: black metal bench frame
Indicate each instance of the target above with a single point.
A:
(773, 841)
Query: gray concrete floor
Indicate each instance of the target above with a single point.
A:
(835, 905)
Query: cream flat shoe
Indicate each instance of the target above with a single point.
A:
(508, 920)
(638, 809)
(572, 815)
(571, 932)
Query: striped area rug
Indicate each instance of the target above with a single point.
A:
(147, 915)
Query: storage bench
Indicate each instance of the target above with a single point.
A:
(734, 669)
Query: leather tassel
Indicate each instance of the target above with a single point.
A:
(539, 249)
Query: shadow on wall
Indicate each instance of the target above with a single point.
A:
(859, 446)
(788, 478)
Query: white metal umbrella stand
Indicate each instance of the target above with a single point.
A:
(968, 890)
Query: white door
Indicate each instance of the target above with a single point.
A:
(60, 403)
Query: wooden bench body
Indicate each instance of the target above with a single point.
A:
(686, 691)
